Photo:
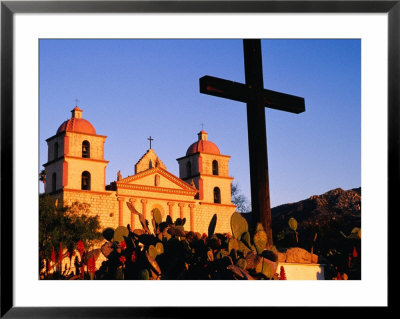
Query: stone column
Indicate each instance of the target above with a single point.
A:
(144, 202)
(181, 205)
(132, 201)
(170, 204)
(191, 206)
(121, 211)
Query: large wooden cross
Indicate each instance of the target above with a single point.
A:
(257, 98)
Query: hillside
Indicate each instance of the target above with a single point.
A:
(336, 208)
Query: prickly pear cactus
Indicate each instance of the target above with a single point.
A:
(169, 220)
(259, 227)
(266, 267)
(233, 243)
(260, 240)
(238, 225)
(152, 251)
(211, 227)
(159, 248)
(108, 233)
(157, 216)
(293, 224)
(241, 263)
(246, 239)
(153, 263)
(106, 249)
(210, 256)
(244, 249)
(153, 223)
(356, 233)
(120, 232)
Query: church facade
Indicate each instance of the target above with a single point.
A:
(76, 171)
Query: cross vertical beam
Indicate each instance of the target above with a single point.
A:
(256, 98)
(150, 139)
(260, 198)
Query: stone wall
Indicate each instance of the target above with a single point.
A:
(104, 204)
(75, 141)
(223, 164)
(204, 213)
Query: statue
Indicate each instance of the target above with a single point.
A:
(119, 176)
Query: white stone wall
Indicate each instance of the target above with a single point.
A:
(295, 271)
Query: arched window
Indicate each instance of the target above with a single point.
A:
(217, 195)
(55, 150)
(53, 182)
(188, 169)
(215, 167)
(86, 149)
(85, 181)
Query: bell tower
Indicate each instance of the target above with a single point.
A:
(208, 169)
(75, 157)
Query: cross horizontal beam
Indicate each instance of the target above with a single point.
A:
(243, 93)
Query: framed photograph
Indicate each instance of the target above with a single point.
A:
(171, 44)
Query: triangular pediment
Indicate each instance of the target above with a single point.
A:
(158, 179)
(147, 161)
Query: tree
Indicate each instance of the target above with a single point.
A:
(66, 225)
(42, 177)
(238, 199)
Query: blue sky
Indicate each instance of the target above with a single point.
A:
(131, 89)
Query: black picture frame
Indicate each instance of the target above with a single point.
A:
(9, 8)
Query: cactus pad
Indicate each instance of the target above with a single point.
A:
(152, 251)
(259, 227)
(233, 243)
(246, 239)
(120, 232)
(153, 263)
(269, 268)
(159, 248)
(241, 263)
(157, 216)
(292, 223)
(260, 240)
(211, 227)
(238, 225)
(108, 233)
